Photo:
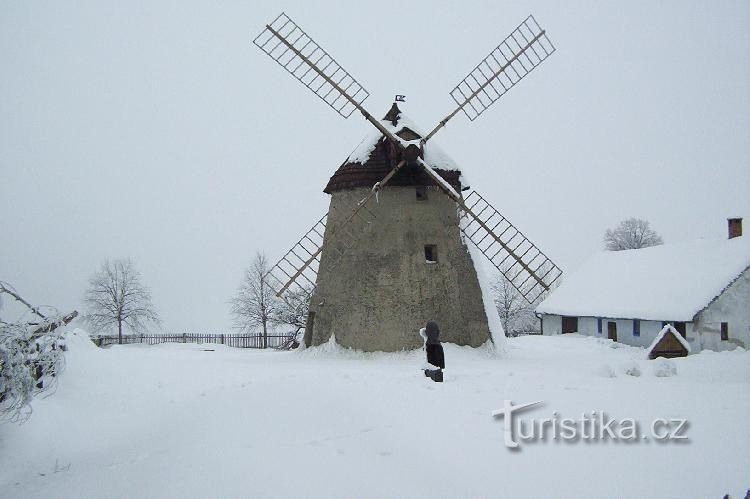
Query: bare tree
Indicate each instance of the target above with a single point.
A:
(116, 296)
(31, 355)
(293, 309)
(633, 233)
(516, 314)
(255, 305)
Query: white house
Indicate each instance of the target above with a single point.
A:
(701, 287)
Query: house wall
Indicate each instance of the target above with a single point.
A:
(552, 324)
(733, 307)
(383, 291)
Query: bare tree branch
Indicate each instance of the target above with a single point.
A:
(255, 305)
(516, 314)
(8, 289)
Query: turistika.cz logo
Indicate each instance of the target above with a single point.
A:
(591, 426)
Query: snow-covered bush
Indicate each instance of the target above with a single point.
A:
(29, 362)
(31, 356)
(664, 368)
(631, 369)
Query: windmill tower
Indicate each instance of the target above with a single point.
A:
(394, 248)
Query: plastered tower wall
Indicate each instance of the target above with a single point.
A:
(383, 290)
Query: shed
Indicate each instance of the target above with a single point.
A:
(668, 343)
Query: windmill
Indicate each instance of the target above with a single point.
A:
(394, 248)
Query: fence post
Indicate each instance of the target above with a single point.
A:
(184, 337)
(222, 338)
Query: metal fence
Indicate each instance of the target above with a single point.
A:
(279, 341)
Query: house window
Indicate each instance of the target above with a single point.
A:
(599, 325)
(636, 327)
(430, 253)
(724, 331)
(569, 324)
(680, 327)
(421, 193)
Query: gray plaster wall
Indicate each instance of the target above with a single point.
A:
(731, 306)
(383, 291)
(589, 326)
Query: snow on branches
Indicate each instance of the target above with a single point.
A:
(31, 356)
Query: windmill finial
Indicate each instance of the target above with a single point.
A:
(393, 114)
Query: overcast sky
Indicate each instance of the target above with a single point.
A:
(157, 131)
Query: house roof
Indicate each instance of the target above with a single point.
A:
(668, 282)
(374, 157)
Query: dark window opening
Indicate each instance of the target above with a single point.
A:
(421, 193)
(569, 325)
(430, 253)
(636, 327)
(408, 134)
(680, 327)
(724, 331)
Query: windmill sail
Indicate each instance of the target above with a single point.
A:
(297, 270)
(525, 266)
(287, 44)
(516, 56)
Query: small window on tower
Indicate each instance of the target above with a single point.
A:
(724, 331)
(430, 253)
(421, 193)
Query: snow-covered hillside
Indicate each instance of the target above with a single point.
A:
(178, 421)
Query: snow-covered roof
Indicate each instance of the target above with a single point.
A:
(668, 329)
(667, 282)
(433, 155)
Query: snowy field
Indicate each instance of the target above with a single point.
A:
(177, 421)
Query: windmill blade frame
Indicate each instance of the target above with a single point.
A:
(522, 51)
(300, 262)
(274, 40)
(295, 51)
(527, 268)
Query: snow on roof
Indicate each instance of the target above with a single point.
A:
(667, 282)
(433, 155)
(668, 329)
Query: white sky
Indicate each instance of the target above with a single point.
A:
(156, 130)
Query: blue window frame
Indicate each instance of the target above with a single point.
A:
(636, 327)
(599, 325)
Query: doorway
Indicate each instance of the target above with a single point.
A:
(612, 331)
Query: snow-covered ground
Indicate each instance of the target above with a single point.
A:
(178, 421)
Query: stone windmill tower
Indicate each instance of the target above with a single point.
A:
(399, 243)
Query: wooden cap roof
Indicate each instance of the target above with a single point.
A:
(382, 159)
